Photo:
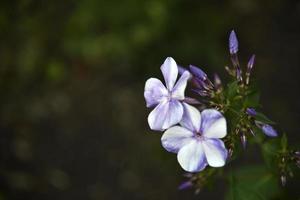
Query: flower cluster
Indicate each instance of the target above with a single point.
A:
(203, 128)
(194, 136)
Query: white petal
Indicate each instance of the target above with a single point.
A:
(191, 118)
(191, 157)
(154, 92)
(179, 88)
(175, 138)
(165, 115)
(215, 152)
(170, 72)
(213, 124)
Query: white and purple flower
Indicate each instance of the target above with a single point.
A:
(197, 141)
(168, 100)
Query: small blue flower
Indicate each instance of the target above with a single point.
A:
(233, 43)
(169, 109)
(197, 141)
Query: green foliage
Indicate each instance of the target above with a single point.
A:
(252, 183)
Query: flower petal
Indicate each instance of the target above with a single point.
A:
(175, 138)
(154, 92)
(179, 88)
(191, 157)
(213, 124)
(191, 118)
(170, 72)
(215, 152)
(165, 115)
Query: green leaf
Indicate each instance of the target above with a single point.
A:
(262, 118)
(232, 88)
(284, 143)
(270, 150)
(252, 183)
(252, 99)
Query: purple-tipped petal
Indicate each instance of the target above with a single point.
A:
(165, 115)
(251, 111)
(215, 152)
(175, 138)
(250, 63)
(191, 118)
(213, 124)
(170, 72)
(191, 157)
(269, 130)
(179, 88)
(233, 43)
(198, 73)
(154, 92)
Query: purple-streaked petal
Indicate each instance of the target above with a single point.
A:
(269, 130)
(170, 72)
(179, 88)
(165, 115)
(191, 157)
(233, 43)
(198, 73)
(154, 92)
(191, 118)
(175, 138)
(215, 152)
(213, 124)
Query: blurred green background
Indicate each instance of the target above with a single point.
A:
(73, 121)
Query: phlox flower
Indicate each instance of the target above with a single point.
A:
(167, 99)
(197, 141)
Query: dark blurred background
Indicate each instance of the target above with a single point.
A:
(73, 121)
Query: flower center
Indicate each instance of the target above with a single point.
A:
(199, 136)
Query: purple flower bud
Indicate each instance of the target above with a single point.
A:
(244, 140)
(239, 74)
(269, 130)
(250, 63)
(190, 100)
(185, 185)
(198, 73)
(233, 43)
(217, 82)
(283, 180)
(251, 111)
(249, 68)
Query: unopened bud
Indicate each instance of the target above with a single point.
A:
(283, 180)
(217, 82)
(244, 140)
(185, 185)
(249, 69)
(233, 43)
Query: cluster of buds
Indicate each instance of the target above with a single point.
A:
(237, 71)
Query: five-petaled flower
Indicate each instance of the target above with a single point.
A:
(168, 100)
(197, 141)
